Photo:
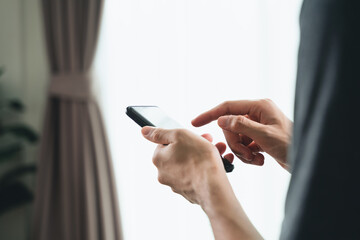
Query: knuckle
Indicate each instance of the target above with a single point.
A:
(155, 161)
(225, 105)
(156, 135)
(240, 121)
(262, 102)
(237, 122)
(267, 132)
(180, 134)
(266, 102)
(161, 179)
(156, 157)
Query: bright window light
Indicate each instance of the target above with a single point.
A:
(187, 56)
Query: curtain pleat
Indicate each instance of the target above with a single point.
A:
(76, 194)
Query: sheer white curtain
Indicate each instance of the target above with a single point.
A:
(187, 56)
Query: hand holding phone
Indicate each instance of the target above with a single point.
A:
(155, 117)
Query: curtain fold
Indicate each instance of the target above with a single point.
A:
(76, 193)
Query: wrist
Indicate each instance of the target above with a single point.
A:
(227, 218)
(217, 192)
(217, 199)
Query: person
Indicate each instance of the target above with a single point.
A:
(319, 149)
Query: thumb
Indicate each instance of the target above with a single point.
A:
(242, 125)
(157, 135)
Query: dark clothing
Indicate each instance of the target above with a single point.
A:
(323, 200)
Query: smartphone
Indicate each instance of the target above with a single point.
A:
(151, 116)
(156, 117)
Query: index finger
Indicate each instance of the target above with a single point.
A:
(157, 135)
(240, 107)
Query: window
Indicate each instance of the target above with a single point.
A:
(187, 56)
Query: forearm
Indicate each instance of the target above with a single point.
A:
(228, 219)
(233, 226)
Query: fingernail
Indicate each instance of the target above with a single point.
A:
(146, 130)
(223, 121)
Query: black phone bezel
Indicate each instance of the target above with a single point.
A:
(138, 118)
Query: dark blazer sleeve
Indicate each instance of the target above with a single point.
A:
(323, 200)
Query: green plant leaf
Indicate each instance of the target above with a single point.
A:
(14, 195)
(9, 151)
(16, 105)
(22, 131)
(16, 172)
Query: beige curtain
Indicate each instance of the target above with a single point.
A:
(76, 194)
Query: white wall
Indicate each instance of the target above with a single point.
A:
(22, 53)
(187, 56)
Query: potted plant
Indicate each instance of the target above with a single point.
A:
(14, 136)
